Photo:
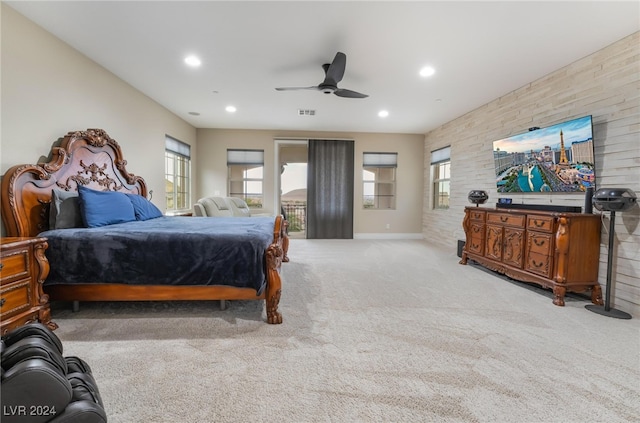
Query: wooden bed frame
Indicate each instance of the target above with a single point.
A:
(92, 158)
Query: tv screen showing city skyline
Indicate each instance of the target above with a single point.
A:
(558, 158)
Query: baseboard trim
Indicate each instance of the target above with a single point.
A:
(385, 235)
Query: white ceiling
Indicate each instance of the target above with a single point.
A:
(480, 50)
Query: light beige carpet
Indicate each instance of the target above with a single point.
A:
(374, 331)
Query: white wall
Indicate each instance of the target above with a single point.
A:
(49, 89)
(606, 85)
(403, 222)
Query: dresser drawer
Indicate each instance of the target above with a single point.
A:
(506, 219)
(477, 230)
(477, 215)
(539, 264)
(15, 297)
(539, 243)
(476, 242)
(15, 265)
(540, 223)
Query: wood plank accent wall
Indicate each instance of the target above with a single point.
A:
(606, 85)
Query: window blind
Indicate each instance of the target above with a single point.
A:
(245, 157)
(441, 155)
(380, 160)
(178, 147)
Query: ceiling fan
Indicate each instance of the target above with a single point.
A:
(334, 72)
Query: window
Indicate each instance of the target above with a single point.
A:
(245, 175)
(441, 176)
(379, 180)
(177, 169)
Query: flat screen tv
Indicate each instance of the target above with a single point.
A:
(559, 158)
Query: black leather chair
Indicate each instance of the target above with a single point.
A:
(38, 384)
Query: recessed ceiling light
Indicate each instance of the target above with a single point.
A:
(231, 109)
(427, 71)
(192, 61)
(194, 113)
(383, 113)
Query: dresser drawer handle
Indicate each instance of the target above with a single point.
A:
(536, 264)
(2, 301)
(538, 242)
(538, 224)
(504, 219)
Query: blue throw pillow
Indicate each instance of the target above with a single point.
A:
(143, 208)
(101, 208)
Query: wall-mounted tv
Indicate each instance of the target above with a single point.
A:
(558, 158)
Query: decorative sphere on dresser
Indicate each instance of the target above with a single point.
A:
(478, 197)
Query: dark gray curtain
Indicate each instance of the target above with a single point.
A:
(330, 189)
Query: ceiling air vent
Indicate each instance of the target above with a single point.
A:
(306, 112)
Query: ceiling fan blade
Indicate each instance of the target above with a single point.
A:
(333, 74)
(341, 92)
(335, 71)
(297, 88)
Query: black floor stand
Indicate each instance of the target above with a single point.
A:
(606, 310)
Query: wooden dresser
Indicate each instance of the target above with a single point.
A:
(23, 269)
(556, 250)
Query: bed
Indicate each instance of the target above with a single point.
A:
(204, 258)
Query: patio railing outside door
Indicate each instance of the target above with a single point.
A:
(296, 213)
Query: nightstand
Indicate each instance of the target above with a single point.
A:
(23, 269)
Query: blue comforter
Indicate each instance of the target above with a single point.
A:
(163, 251)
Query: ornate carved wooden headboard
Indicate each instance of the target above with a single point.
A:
(90, 158)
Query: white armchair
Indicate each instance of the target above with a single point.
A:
(212, 207)
(239, 207)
